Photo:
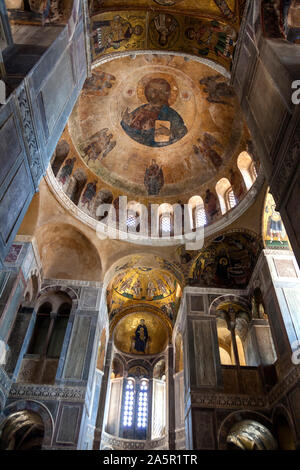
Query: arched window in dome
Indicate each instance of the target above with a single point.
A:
(226, 195)
(247, 168)
(59, 156)
(133, 214)
(197, 211)
(166, 220)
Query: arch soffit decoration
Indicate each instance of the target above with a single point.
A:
(255, 246)
(57, 289)
(234, 418)
(36, 407)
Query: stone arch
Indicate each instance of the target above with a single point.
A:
(283, 427)
(38, 408)
(56, 288)
(236, 417)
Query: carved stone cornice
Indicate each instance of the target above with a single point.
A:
(47, 392)
(277, 392)
(218, 400)
(126, 444)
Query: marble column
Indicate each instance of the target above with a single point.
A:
(103, 397)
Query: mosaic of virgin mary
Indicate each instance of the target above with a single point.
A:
(155, 124)
(141, 337)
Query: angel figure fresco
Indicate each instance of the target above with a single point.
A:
(211, 37)
(155, 124)
(154, 179)
(217, 90)
(205, 150)
(99, 145)
(113, 33)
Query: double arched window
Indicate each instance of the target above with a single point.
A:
(50, 327)
(135, 409)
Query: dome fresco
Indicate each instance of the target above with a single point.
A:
(157, 130)
(136, 116)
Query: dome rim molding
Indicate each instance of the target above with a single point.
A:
(103, 231)
(120, 55)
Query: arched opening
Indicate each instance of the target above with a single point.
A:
(226, 195)
(22, 430)
(166, 220)
(197, 212)
(250, 435)
(46, 343)
(133, 214)
(60, 154)
(101, 351)
(159, 400)
(178, 353)
(227, 346)
(103, 198)
(247, 168)
(42, 323)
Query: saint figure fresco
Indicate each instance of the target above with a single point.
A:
(211, 38)
(275, 226)
(165, 25)
(141, 337)
(155, 124)
(89, 194)
(113, 33)
(154, 179)
(66, 170)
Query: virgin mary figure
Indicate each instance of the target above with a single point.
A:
(141, 337)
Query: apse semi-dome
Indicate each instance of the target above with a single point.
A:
(158, 129)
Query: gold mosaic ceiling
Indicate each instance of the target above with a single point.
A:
(145, 281)
(125, 334)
